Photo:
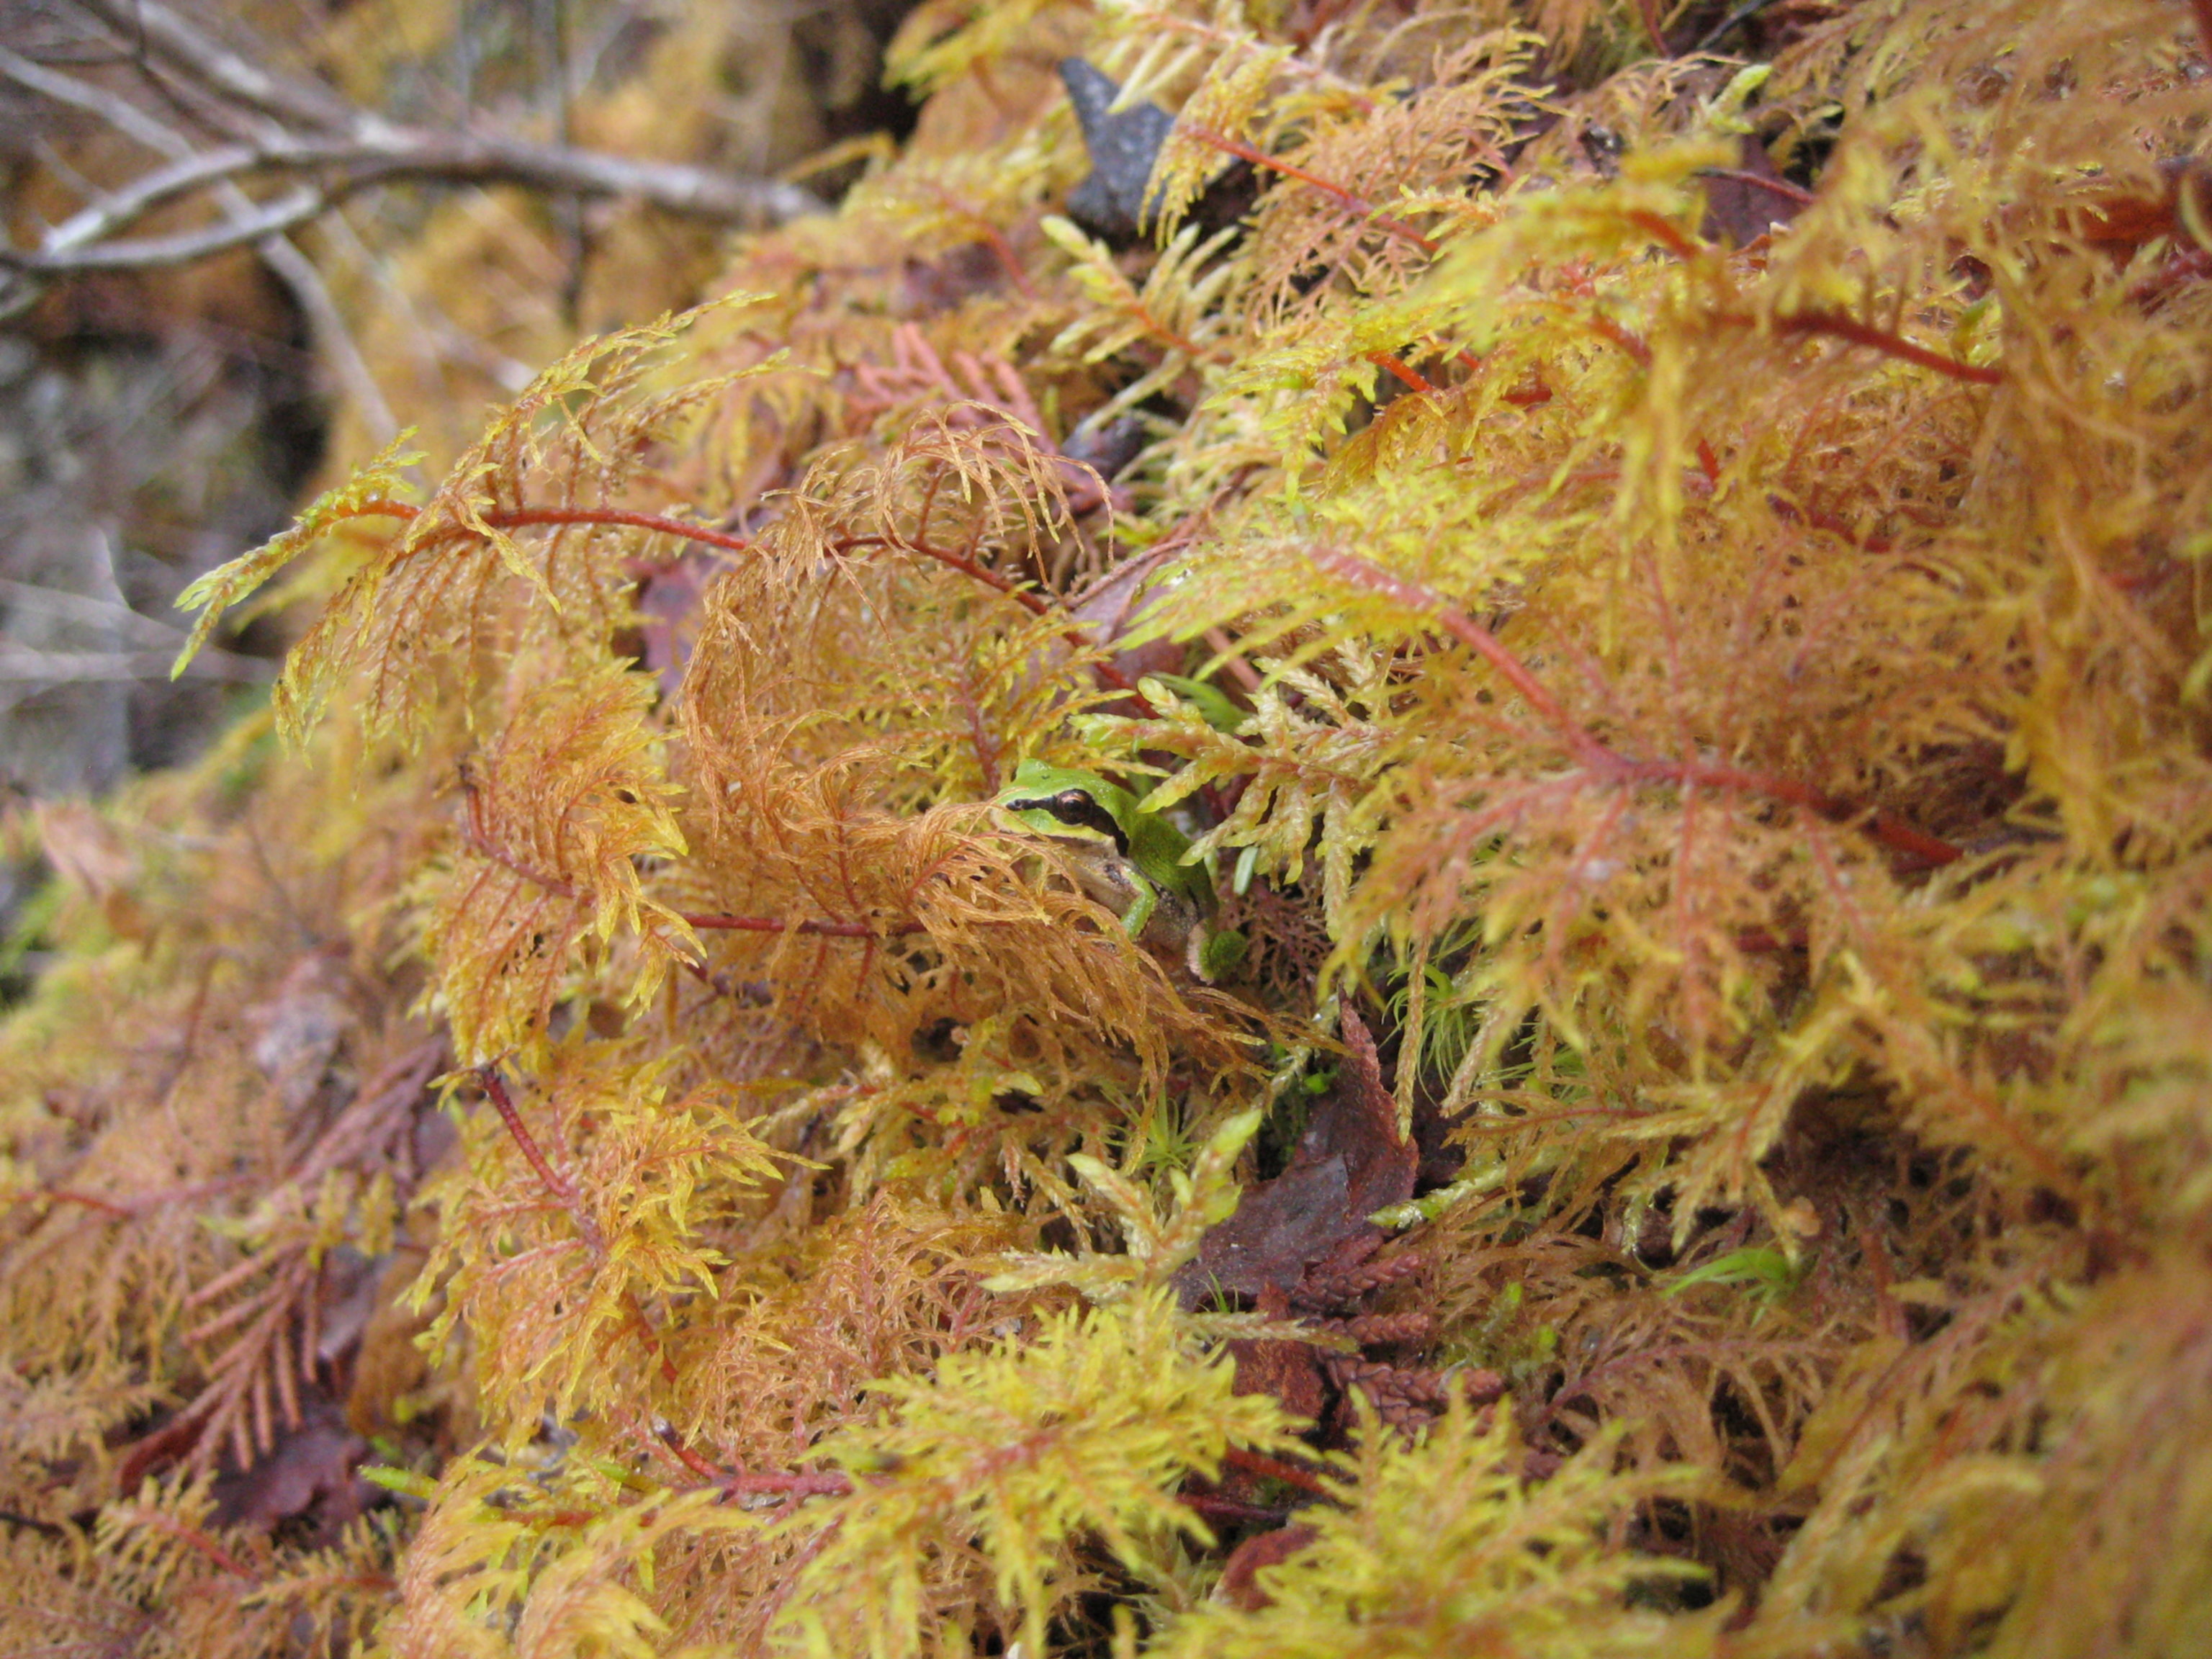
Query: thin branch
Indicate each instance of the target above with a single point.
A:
(90, 609)
(1735, 20)
(301, 127)
(327, 326)
(161, 253)
(292, 268)
(22, 664)
(126, 116)
(451, 158)
(159, 33)
(193, 171)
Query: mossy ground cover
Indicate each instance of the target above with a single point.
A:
(1667, 586)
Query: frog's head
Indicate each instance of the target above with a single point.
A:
(1071, 807)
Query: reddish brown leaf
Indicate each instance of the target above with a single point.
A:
(1350, 1162)
(1743, 205)
(310, 1472)
(1237, 1587)
(1290, 1372)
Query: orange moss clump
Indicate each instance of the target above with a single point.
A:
(1664, 587)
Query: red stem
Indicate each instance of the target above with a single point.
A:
(1000, 248)
(1469, 633)
(185, 1532)
(1231, 1512)
(1626, 338)
(1831, 323)
(1850, 329)
(709, 922)
(64, 1195)
(1781, 187)
(1351, 201)
(1399, 370)
(517, 517)
(1827, 522)
(1601, 757)
(1030, 601)
(825, 1483)
(503, 1104)
(1663, 232)
(777, 925)
(1274, 1468)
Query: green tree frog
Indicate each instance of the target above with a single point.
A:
(1131, 861)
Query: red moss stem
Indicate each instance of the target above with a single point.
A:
(707, 921)
(1831, 324)
(1274, 1468)
(1814, 517)
(523, 517)
(1230, 1510)
(1835, 325)
(1663, 232)
(1351, 200)
(1031, 601)
(1626, 338)
(517, 518)
(1401, 371)
(1600, 758)
(778, 925)
(66, 1196)
(1781, 187)
(502, 1103)
(1469, 633)
(190, 1535)
(988, 232)
(824, 1483)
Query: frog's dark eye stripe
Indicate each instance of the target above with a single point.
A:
(1078, 812)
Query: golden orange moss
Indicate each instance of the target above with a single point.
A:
(1721, 685)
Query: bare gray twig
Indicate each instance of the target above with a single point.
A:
(317, 147)
(20, 663)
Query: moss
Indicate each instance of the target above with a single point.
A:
(1722, 689)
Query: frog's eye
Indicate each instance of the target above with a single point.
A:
(1078, 812)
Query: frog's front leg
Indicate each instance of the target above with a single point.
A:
(1142, 906)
